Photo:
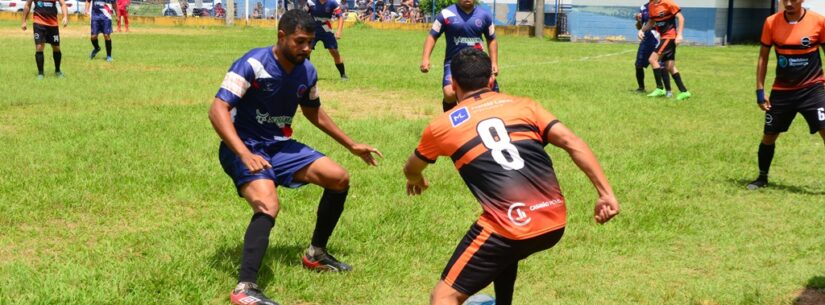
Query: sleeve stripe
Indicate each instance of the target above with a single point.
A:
(235, 83)
(436, 26)
(422, 157)
(547, 130)
(260, 71)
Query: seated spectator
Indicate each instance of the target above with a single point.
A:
(218, 10)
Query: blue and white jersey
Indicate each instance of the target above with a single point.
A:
(264, 98)
(323, 13)
(463, 30)
(651, 36)
(102, 9)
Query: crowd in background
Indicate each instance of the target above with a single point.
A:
(404, 11)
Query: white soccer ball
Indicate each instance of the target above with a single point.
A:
(480, 299)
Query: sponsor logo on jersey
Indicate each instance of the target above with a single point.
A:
(266, 118)
(470, 41)
(517, 214)
(782, 61)
(806, 41)
(459, 116)
(797, 62)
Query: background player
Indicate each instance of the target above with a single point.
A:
(252, 113)
(798, 87)
(323, 11)
(465, 25)
(663, 17)
(497, 144)
(46, 30)
(123, 13)
(101, 23)
(646, 47)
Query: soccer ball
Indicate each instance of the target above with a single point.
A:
(480, 299)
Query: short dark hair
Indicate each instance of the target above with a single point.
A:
(296, 19)
(471, 69)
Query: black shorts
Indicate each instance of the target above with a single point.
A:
(46, 34)
(666, 49)
(482, 255)
(785, 104)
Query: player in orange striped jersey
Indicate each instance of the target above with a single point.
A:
(664, 15)
(46, 30)
(497, 144)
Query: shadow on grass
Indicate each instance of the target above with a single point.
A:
(228, 257)
(781, 187)
(813, 294)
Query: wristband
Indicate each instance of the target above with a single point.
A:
(760, 96)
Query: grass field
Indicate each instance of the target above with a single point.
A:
(111, 191)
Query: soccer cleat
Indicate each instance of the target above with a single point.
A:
(40, 76)
(321, 260)
(344, 77)
(657, 93)
(94, 53)
(669, 94)
(758, 183)
(683, 96)
(59, 74)
(639, 90)
(109, 58)
(247, 293)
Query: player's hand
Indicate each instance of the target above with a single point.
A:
(255, 163)
(23, 26)
(606, 208)
(365, 152)
(766, 105)
(495, 69)
(679, 39)
(338, 35)
(65, 22)
(417, 187)
(640, 35)
(425, 66)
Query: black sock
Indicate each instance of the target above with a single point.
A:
(38, 58)
(341, 69)
(657, 74)
(255, 243)
(447, 106)
(57, 57)
(95, 45)
(678, 79)
(505, 285)
(640, 77)
(665, 79)
(329, 211)
(765, 159)
(108, 47)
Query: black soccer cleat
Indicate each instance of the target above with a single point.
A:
(323, 261)
(94, 53)
(758, 183)
(247, 293)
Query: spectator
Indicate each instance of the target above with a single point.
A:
(218, 10)
(257, 12)
(184, 7)
(123, 13)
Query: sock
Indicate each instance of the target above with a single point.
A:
(95, 44)
(341, 69)
(640, 77)
(678, 79)
(665, 79)
(38, 57)
(329, 211)
(765, 159)
(108, 47)
(446, 106)
(657, 74)
(255, 243)
(57, 57)
(504, 285)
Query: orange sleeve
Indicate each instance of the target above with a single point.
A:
(767, 37)
(822, 32)
(673, 8)
(428, 149)
(544, 120)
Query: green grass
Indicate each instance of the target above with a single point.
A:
(111, 191)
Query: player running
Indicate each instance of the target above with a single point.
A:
(252, 113)
(798, 88)
(101, 23)
(464, 25)
(497, 144)
(663, 17)
(646, 47)
(46, 30)
(323, 11)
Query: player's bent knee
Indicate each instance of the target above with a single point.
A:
(339, 181)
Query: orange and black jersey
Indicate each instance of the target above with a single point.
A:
(798, 64)
(45, 12)
(663, 13)
(497, 144)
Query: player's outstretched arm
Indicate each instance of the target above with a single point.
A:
(606, 206)
(413, 170)
(762, 69)
(26, 9)
(320, 119)
(219, 115)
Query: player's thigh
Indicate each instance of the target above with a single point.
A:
(783, 110)
(325, 173)
(812, 108)
(262, 196)
(443, 294)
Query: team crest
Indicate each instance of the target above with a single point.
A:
(302, 90)
(782, 61)
(478, 22)
(806, 41)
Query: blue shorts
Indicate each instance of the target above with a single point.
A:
(646, 47)
(447, 80)
(286, 158)
(102, 25)
(327, 37)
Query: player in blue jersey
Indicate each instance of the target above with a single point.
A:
(252, 113)
(101, 12)
(464, 24)
(646, 47)
(323, 11)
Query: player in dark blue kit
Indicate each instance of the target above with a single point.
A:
(646, 47)
(101, 12)
(323, 11)
(464, 25)
(252, 113)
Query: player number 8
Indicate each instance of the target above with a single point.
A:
(500, 144)
(821, 113)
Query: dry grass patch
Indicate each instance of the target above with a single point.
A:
(368, 103)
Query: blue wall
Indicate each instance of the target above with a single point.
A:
(617, 22)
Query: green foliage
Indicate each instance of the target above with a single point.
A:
(427, 5)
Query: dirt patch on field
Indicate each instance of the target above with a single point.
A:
(367, 103)
(809, 296)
